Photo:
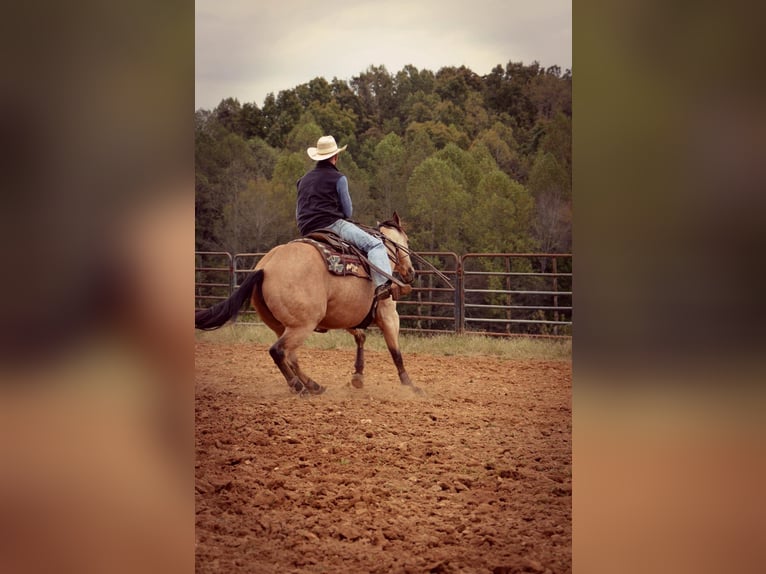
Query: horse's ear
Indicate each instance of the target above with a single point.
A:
(396, 219)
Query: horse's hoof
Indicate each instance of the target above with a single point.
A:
(314, 388)
(297, 386)
(416, 390)
(357, 380)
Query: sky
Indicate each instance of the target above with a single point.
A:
(245, 49)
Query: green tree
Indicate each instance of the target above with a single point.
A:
(358, 186)
(389, 183)
(441, 134)
(420, 107)
(465, 162)
(224, 165)
(492, 146)
(501, 215)
(439, 204)
(256, 219)
(317, 91)
(375, 90)
(502, 145)
(289, 168)
(417, 146)
(252, 123)
(476, 118)
(264, 157)
(304, 134)
(283, 113)
(229, 115)
(334, 120)
(455, 84)
(549, 183)
(557, 140)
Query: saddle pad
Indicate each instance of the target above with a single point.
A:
(339, 263)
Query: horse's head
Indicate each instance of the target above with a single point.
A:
(398, 248)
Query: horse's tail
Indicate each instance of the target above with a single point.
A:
(217, 315)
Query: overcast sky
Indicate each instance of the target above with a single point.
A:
(248, 48)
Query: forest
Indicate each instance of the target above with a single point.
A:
(471, 163)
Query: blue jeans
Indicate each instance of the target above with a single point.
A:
(372, 246)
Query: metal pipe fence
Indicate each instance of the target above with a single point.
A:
(497, 294)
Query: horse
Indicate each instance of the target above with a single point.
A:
(294, 294)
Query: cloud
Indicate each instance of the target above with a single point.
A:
(246, 51)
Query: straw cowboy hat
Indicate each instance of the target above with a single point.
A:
(326, 147)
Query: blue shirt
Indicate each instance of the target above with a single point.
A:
(345, 197)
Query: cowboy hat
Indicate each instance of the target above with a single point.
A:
(325, 148)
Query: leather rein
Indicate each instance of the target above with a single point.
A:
(393, 248)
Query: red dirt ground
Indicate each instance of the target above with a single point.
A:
(472, 476)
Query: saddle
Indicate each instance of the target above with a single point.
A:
(341, 257)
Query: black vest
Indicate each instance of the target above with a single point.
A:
(318, 201)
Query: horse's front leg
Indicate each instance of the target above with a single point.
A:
(388, 321)
(357, 379)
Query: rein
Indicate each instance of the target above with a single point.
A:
(396, 247)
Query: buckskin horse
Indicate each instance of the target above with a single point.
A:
(295, 294)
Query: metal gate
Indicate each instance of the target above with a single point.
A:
(497, 294)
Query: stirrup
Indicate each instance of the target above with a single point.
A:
(390, 289)
(383, 291)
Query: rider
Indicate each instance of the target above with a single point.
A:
(324, 203)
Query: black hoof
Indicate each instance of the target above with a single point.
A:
(416, 390)
(297, 386)
(314, 388)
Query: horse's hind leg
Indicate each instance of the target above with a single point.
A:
(309, 384)
(277, 352)
(283, 354)
(357, 379)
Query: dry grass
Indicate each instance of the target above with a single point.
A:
(449, 345)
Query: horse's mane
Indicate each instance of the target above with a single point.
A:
(392, 223)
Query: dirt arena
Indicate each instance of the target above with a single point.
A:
(472, 476)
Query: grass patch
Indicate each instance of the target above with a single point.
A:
(448, 344)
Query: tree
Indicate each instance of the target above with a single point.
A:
(317, 91)
(551, 93)
(254, 221)
(420, 107)
(389, 183)
(224, 164)
(409, 80)
(417, 146)
(304, 134)
(469, 149)
(359, 187)
(455, 84)
(264, 157)
(441, 134)
(557, 140)
(464, 162)
(500, 142)
(439, 204)
(550, 186)
(501, 216)
(228, 113)
(252, 122)
(476, 118)
(334, 120)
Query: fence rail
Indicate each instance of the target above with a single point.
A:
(498, 294)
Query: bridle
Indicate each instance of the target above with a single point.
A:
(393, 248)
